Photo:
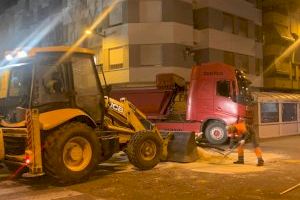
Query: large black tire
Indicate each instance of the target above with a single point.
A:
(215, 133)
(144, 150)
(58, 152)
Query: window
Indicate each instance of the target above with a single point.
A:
(243, 27)
(116, 15)
(116, 58)
(50, 81)
(289, 112)
(150, 11)
(228, 23)
(151, 55)
(84, 76)
(269, 112)
(223, 88)
(86, 85)
(19, 83)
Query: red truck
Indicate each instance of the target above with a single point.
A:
(217, 95)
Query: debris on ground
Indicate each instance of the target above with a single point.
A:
(212, 156)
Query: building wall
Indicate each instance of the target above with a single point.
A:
(281, 21)
(139, 44)
(156, 43)
(26, 23)
(230, 32)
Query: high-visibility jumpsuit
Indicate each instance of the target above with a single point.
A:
(243, 131)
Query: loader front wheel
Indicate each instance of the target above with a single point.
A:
(71, 153)
(144, 150)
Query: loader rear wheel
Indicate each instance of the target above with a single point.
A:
(215, 133)
(71, 153)
(144, 150)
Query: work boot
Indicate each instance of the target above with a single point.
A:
(240, 160)
(260, 162)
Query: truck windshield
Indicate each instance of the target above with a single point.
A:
(244, 96)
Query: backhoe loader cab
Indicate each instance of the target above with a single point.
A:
(42, 81)
(52, 107)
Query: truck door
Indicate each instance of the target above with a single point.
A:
(224, 105)
(88, 94)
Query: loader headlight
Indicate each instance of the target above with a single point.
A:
(9, 57)
(16, 55)
(21, 54)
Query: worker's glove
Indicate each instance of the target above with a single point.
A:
(198, 136)
(242, 142)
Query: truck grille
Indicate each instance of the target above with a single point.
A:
(14, 145)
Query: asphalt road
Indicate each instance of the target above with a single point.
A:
(204, 179)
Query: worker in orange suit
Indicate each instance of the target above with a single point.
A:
(243, 131)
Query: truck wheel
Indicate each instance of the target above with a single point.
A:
(215, 133)
(71, 153)
(144, 150)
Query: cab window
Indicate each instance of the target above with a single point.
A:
(223, 88)
(19, 82)
(50, 82)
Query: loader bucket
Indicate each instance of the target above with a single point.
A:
(181, 147)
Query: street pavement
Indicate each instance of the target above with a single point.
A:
(43, 189)
(14, 190)
(118, 179)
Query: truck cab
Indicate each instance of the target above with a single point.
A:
(218, 96)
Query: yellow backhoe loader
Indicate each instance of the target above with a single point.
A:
(56, 120)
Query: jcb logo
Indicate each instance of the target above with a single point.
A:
(116, 107)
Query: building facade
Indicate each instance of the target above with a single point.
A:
(281, 22)
(230, 32)
(145, 37)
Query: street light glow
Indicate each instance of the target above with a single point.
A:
(88, 32)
